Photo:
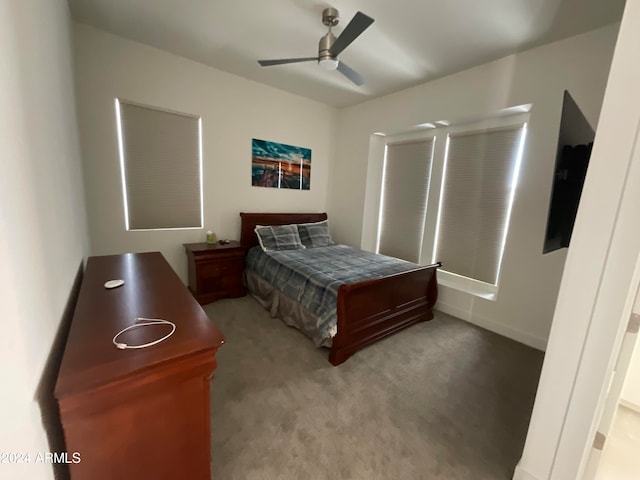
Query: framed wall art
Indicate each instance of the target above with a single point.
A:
(277, 165)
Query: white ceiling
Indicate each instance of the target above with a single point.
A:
(409, 43)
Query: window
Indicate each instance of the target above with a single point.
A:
(405, 186)
(161, 167)
(478, 183)
(447, 193)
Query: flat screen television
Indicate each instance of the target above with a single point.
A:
(575, 142)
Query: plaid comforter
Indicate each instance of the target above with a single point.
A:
(312, 276)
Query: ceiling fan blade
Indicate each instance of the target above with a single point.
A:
(350, 73)
(268, 63)
(358, 24)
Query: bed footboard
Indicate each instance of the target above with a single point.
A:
(373, 309)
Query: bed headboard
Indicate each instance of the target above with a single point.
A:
(249, 221)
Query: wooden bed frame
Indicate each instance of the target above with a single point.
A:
(368, 310)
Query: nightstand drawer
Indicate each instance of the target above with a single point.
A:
(220, 275)
(215, 271)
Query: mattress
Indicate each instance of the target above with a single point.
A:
(312, 277)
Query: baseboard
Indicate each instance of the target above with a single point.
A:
(452, 310)
(496, 327)
(521, 474)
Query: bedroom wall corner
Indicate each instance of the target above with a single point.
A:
(529, 280)
(233, 109)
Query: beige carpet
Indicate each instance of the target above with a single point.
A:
(440, 400)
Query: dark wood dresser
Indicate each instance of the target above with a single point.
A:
(215, 270)
(137, 413)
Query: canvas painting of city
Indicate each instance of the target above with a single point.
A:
(277, 165)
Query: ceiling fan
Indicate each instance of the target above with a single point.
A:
(330, 46)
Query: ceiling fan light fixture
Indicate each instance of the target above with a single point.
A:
(328, 63)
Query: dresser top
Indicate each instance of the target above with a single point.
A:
(151, 290)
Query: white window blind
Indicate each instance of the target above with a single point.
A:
(161, 168)
(475, 202)
(405, 188)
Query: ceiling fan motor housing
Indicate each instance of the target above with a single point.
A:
(325, 58)
(328, 61)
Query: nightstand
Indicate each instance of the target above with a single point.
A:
(215, 270)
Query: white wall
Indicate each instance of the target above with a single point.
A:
(234, 110)
(529, 280)
(600, 280)
(43, 237)
(631, 392)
